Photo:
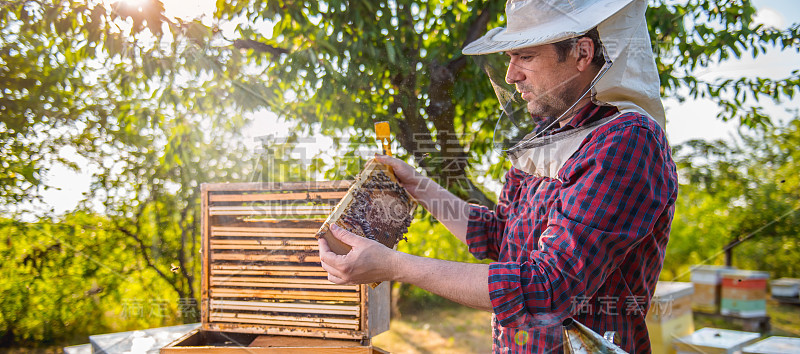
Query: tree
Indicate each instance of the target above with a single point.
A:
(348, 64)
(695, 34)
(130, 90)
(156, 104)
(333, 66)
(58, 279)
(742, 192)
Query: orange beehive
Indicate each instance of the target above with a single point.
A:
(262, 282)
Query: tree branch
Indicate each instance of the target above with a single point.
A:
(258, 47)
(474, 32)
(441, 112)
(182, 249)
(143, 248)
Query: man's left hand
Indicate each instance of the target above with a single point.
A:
(367, 262)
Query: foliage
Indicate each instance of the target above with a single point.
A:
(137, 97)
(429, 238)
(348, 64)
(694, 34)
(744, 191)
(128, 89)
(73, 277)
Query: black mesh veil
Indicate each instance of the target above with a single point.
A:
(514, 121)
(515, 125)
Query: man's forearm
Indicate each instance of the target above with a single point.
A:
(444, 206)
(465, 283)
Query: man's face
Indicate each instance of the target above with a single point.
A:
(548, 85)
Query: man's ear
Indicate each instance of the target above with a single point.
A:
(584, 48)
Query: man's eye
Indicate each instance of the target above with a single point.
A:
(526, 57)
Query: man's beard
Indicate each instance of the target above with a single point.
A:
(553, 102)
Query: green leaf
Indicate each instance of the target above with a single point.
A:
(390, 52)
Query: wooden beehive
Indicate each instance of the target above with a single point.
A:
(261, 272)
(670, 315)
(744, 293)
(707, 280)
(715, 341)
(786, 288)
(774, 345)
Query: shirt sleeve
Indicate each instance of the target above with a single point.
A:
(485, 227)
(612, 194)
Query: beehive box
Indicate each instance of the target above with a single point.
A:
(774, 345)
(707, 280)
(785, 288)
(744, 293)
(715, 341)
(670, 315)
(262, 281)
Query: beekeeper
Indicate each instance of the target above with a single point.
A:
(581, 226)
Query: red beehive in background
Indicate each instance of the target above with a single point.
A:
(744, 293)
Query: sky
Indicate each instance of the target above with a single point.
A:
(691, 119)
(697, 119)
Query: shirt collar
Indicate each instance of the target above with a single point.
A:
(589, 113)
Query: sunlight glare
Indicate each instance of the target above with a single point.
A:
(189, 9)
(182, 9)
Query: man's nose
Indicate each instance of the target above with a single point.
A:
(514, 74)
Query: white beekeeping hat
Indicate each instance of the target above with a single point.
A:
(629, 80)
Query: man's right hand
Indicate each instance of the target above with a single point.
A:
(443, 205)
(415, 183)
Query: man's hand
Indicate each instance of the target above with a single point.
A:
(367, 262)
(372, 262)
(415, 183)
(443, 205)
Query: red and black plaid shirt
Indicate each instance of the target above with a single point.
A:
(588, 245)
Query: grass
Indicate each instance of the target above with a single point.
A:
(445, 327)
(784, 320)
(438, 327)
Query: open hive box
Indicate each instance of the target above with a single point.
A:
(263, 288)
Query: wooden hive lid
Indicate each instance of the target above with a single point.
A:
(715, 340)
(745, 274)
(670, 290)
(789, 282)
(773, 345)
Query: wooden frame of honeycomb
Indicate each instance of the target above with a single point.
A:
(376, 207)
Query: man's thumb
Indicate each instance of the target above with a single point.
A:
(343, 235)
